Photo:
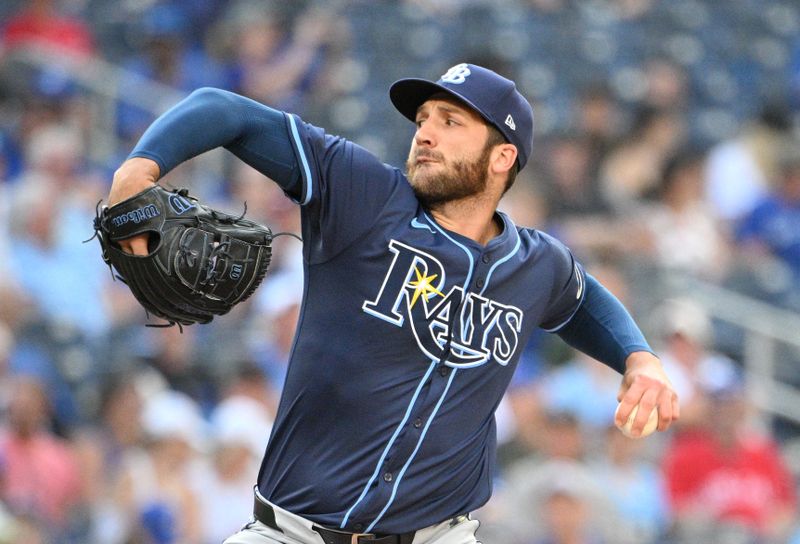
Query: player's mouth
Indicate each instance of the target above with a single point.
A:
(422, 159)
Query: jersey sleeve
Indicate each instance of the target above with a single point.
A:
(341, 186)
(210, 118)
(567, 287)
(345, 188)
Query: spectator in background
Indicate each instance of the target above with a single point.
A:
(524, 415)
(579, 386)
(684, 342)
(667, 84)
(31, 350)
(559, 458)
(274, 58)
(632, 170)
(40, 474)
(154, 494)
(239, 430)
(178, 357)
(560, 462)
(102, 449)
(278, 303)
(635, 486)
(49, 261)
(727, 477)
(249, 381)
(682, 233)
(165, 54)
(598, 118)
(6, 347)
(741, 169)
(570, 186)
(41, 23)
(566, 515)
(772, 229)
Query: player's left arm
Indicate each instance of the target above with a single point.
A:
(603, 329)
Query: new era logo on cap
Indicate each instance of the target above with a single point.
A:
(494, 97)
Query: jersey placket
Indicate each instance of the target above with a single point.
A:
(423, 412)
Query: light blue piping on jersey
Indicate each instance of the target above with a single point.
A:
(465, 249)
(444, 393)
(501, 261)
(391, 442)
(413, 453)
(303, 159)
(462, 246)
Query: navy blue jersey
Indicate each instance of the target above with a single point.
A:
(407, 339)
(408, 334)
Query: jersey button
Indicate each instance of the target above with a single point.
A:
(387, 477)
(486, 258)
(479, 283)
(418, 422)
(358, 527)
(444, 371)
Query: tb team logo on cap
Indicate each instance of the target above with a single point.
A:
(456, 75)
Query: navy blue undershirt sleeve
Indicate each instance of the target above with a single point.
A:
(210, 118)
(603, 329)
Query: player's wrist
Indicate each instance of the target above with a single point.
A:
(641, 358)
(132, 177)
(140, 168)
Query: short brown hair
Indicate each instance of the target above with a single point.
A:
(496, 138)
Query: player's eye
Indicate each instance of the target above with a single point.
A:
(450, 122)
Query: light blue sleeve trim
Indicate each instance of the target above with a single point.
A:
(582, 295)
(307, 189)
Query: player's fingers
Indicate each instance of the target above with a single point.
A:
(628, 396)
(672, 410)
(136, 245)
(676, 407)
(666, 408)
(647, 403)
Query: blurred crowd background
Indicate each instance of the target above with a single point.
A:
(665, 156)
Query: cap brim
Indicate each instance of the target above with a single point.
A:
(408, 95)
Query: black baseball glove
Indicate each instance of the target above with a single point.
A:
(201, 262)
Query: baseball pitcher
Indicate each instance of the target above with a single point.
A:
(419, 297)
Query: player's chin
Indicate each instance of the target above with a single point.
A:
(429, 194)
(420, 182)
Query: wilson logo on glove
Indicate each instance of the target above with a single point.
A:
(136, 216)
(202, 262)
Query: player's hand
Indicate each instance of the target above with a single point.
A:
(645, 383)
(132, 177)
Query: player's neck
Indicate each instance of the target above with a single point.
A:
(474, 219)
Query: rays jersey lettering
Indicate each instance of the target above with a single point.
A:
(476, 329)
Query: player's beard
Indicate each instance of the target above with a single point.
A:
(459, 179)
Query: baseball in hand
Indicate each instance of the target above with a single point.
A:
(649, 427)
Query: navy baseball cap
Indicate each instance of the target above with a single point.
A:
(494, 97)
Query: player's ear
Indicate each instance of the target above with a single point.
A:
(503, 158)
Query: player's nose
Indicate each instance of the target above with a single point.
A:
(425, 135)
